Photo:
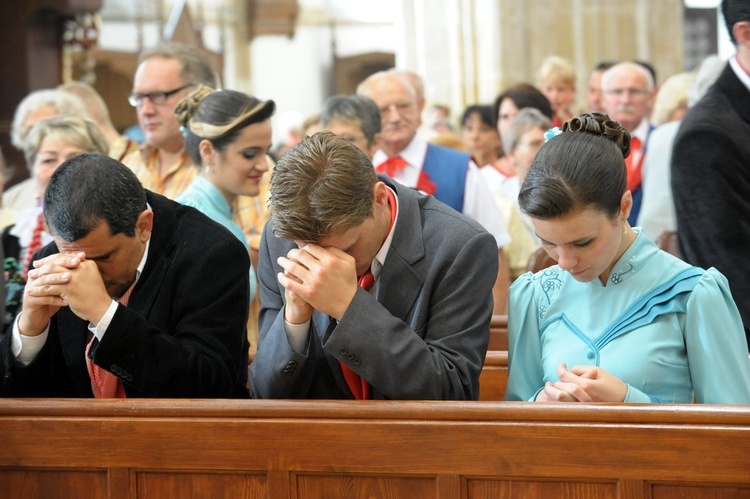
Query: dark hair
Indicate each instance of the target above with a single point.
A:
(321, 185)
(219, 117)
(603, 65)
(649, 67)
(523, 95)
(734, 11)
(582, 167)
(88, 189)
(484, 112)
(353, 109)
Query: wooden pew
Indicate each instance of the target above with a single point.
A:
(345, 449)
(494, 376)
(498, 332)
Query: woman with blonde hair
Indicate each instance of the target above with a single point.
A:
(49, 143)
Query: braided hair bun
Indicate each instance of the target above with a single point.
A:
(600, 124)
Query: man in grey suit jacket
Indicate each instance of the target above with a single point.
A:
(711, 172)
(420, 332)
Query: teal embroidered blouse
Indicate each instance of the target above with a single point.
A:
(205, 197)
(669, 330)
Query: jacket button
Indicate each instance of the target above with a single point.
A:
(343, 351)
(356, 361)
(350, 356)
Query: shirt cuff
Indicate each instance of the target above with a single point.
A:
(297, 335)
(26, 348)
(101, 328)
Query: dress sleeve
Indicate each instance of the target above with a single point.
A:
(716, 344)
(526, 374)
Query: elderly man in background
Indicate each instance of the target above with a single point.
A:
(628, 94)
(451, 176)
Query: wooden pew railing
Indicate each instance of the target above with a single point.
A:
(498, 332)
(345, 449)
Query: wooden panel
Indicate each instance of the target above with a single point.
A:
(493, 380)
(185, 483)
(664, 491)
(53, 484)
(506, 489)
(353, 487)
(498, 333)
(428, 449)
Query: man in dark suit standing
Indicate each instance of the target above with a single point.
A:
(137, 296)
(369, 289)
(711, 169)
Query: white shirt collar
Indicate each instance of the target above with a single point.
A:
(377, 263)
(741, 74)
(642, 131)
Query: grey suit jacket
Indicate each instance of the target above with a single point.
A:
(425, 334)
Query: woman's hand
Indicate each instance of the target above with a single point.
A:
(597, 384)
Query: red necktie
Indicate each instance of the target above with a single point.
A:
(357, 384)
(104, 384)
(634, 168)
(391, 166)
(34, 245)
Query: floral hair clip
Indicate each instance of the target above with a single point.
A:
(552, 132)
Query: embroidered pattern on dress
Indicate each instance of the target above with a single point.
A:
(549, 281)
(628, 267)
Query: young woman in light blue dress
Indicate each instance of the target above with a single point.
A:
(616, 319)
(227, 134)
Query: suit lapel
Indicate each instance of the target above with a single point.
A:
(399, 284)
(738, 94)
(158, 259)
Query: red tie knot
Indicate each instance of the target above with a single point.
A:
(392, 166)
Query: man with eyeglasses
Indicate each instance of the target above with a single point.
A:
(627, 96)
(449, 175)
(165, 75)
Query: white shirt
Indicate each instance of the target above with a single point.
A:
(478, 202)
(26, 348)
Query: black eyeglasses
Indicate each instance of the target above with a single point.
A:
(156, 98)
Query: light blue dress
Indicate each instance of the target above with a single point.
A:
(205, 197)
(669, 330)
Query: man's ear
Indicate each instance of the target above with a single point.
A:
(144, 225)
(741, 33)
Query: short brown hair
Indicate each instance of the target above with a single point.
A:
(196, 68)
(321, 185)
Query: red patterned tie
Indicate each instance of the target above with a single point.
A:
(391, 166)
(104, 384)
(34, 245)
(634, 168)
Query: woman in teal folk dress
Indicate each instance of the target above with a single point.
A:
(227, 134)
(616, 319)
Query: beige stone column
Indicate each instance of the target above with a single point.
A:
(469, 50)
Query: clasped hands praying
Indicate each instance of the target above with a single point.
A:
(583, 384)
(59, 280)
(317, 278)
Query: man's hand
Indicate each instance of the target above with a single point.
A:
(324, 279)
(42, 297)
(65, 280)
